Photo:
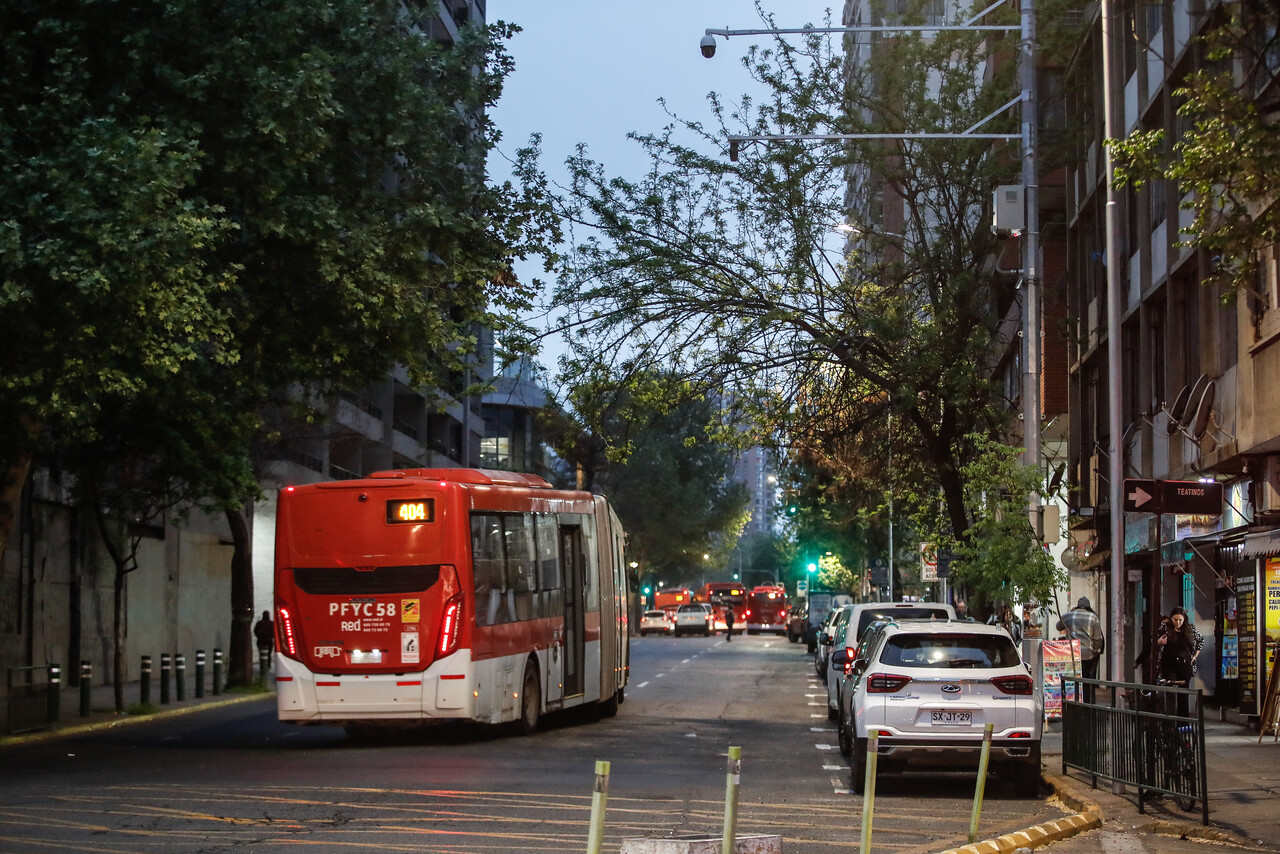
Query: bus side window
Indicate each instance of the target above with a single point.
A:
(547, 552)
(487, 565)
(520, 581)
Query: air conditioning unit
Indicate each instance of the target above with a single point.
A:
(1009, 213)
(1268, 491)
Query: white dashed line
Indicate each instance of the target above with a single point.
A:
(642, 684)
(825, 746)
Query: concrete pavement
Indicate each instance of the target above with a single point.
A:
(1243, 772)
(1244, 800)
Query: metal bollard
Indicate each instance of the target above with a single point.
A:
(145, 686)
(217, 671)
(599, 797)
(166, 667)
(733, 779)
(199, 673)
(869, 790)
(86, 682)
(55, 692)
(180, 674)
(983, 763)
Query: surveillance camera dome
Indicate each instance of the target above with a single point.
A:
(708, 45)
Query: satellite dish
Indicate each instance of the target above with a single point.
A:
(1197, 391)
(1056, 481)
(1204, 410)
(1179, 404)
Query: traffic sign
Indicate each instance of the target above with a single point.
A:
(1141, 496)
(1182, 497)
(1192, 497)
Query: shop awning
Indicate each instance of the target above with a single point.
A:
(1262, 544)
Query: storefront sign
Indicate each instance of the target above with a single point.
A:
(1247, 629)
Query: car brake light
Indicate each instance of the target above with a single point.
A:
(1018, 735)
(885, 683)
(1017, 684)
(288, 640)
(450, 626)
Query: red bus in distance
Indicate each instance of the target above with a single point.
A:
(424, 595)
(767, 609)
(721, 596)
(668, 599)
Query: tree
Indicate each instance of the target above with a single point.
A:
(250, 196)
(665, 472)
(731, 272)
(1224, 163)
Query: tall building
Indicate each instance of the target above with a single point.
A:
(1198, 398)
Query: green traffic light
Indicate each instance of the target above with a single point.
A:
(813, 567)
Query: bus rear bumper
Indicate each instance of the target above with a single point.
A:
(441, 692)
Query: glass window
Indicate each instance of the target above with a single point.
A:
(518, 533)
(488, 565)
(951, 651)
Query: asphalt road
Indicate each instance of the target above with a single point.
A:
(233, 778)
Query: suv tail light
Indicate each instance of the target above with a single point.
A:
(1017, 684)
(885, 683)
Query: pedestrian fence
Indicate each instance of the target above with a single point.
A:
(1145, 736)
(33, 695)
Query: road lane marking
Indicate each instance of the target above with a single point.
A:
(825, 746)
(642, 684)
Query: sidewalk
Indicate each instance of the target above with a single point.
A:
(102, 714)
(1244, 795)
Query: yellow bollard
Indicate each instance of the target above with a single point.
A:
(982, 783)
(595, 836)
(869, 790)
(733, 778)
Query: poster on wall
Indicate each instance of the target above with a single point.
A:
(1247, 652)
(1061, 658)
(1230, 643)
(1273, 610)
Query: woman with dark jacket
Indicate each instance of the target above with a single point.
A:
(1179, 648)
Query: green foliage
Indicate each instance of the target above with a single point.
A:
(665, 473)
(1224, 164)
(243, 197)
(731, 273)
(998, 558)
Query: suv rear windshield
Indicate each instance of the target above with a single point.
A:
(923, 613)
(694, 609)
(947, 650)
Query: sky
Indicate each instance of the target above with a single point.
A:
(591, 71)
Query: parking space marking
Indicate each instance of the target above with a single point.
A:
(825, 746)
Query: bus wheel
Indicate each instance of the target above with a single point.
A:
(609, 707)
(530, 702)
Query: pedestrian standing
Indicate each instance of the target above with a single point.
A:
(1179, 648)
(1082, 623)
(1010, 624)
(264, 631)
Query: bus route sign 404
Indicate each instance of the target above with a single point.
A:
(1181, 497)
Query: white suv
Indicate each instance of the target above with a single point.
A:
(694, 618)
(929, 688)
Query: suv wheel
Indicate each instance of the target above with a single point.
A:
(859, 765)
(845, 737)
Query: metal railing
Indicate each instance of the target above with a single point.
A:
(1143, 736)
(33, 702)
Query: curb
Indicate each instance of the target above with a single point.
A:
(125, 720)
(1090, 815)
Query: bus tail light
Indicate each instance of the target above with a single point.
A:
(450, 626)
(288, 640)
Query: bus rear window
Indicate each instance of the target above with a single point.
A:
(343, 580)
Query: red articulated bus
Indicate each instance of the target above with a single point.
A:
(426, 595)
(767, 609)
(721, 596)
